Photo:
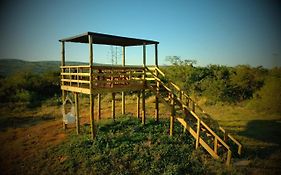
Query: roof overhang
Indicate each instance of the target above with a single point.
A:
(99, 38)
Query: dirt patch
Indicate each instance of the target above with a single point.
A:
(20, 144)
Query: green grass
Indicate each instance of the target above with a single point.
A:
(123, 147)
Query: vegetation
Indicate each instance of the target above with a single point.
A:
(251, 111)
(222, 84)
(124, 147)
(29, 88)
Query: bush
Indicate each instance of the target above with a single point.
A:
(29, 87)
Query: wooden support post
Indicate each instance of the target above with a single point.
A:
(62, 70)
(113, 106)
(138, 104)
(123, 93)
(143, 107)
(216, 145)
(156, 109)
(123, 103)
(228, 160)
(99, 106)
(144, 82)
(144, 55)
(172, 117)
(76, 96)
(92, 118)
(156, 55)
(198, 133)
(156, 99)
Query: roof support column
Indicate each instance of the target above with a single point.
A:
(62, 70)
(92, 118)
(156, 55)
(144, 55)
(144, 84)
(123, 93)
(157, 85)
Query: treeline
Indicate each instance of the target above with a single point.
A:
(224, 84)
(29, 87)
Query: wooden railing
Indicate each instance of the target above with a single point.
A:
(104, 78)
(189, 106)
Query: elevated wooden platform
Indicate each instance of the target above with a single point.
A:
(94, 80)
(104, 79)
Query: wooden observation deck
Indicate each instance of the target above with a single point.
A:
(96, 79)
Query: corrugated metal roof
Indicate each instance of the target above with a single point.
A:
(99, 38)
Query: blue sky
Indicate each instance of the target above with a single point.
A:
(212, 32)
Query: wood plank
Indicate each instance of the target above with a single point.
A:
(76, 89)
(77, 66)
(208, 148)
(76, 81)
(73, 73)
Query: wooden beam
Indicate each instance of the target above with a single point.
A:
(228, 160)
(138, 104)
(62, 70)
(123, 93)
(156, 55)
(156, 99)
(144, 55)
(123, 56)
(123, 103)
(113, 106)
(76, 89)
(76, 96)
(144, 81)
(143, 107)
(99, 106)
(91, 50)
(172, 116)
(92, 118)
(216, 145)
(198, 133)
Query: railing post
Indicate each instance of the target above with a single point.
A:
(77, 112)
(113, 106)
(77, 76)
(216, 145)
(228, 160)
(198, 133)
(172, 117)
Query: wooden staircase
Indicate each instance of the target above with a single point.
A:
(192, 117)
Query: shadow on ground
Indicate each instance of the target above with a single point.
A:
(264, 130)
(22, 122)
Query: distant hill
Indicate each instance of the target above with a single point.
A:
(12, 66)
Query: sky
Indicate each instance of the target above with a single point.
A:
(224, 32)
